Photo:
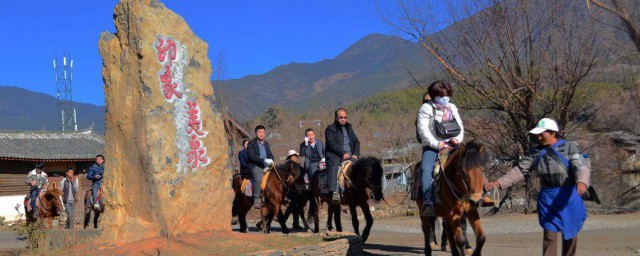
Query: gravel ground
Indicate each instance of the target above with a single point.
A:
(513, 223)
(513, 234)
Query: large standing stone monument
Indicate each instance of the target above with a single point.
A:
(166, 155)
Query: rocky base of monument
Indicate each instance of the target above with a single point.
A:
(336, 244)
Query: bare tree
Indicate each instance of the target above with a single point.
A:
(628, 12)
(514, 62)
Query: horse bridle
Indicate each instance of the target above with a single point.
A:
(291, 178)
(453, 188)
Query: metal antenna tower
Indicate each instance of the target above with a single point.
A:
(64, 76)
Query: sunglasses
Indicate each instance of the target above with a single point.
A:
(342, 117)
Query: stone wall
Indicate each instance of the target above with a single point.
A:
(167, 168)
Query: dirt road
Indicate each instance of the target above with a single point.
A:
(512, 235)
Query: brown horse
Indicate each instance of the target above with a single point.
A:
(363, 181)
(460, 192)
(279, 181)
(49, 205)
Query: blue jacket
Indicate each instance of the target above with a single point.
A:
(244, 160)
(94, 170)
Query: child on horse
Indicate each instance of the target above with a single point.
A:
(37, 180)
(96, 173)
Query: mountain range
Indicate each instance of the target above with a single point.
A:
(374, 64)
(21, 109)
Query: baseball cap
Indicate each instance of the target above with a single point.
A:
(545, 124)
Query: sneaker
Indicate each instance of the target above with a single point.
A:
(427, 210)
(336, 197)
(257, 205)
(488, 202)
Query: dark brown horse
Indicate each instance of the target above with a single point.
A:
(460, 192)
(300, 194)
(279, 181)
(363, 181)
(49, 205)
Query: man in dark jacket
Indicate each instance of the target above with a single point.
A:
(260, 156)
(342, 144)
(313, 152)
(96, 173)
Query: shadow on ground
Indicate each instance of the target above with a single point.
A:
(383, 249)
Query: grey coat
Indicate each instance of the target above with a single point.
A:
(305, 150)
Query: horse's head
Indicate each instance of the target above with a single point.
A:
(53, 201)
(468, 161)
(292, 170)
(372, 169)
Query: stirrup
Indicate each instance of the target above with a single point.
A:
(336, 197)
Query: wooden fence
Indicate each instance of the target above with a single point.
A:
(13, 184)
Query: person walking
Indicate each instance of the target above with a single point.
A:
(69, 187)
(564, 177)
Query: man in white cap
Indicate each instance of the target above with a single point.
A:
(293, 155)
(563, 178)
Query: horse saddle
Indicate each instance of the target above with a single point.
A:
(98, 198)
(345, 169)
(265, 177)
(246, 187)
(27, 198)
(416, 190)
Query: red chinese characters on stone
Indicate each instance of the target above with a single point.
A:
(168, 86)
(163, 49)
(194, 124)
(197, 154)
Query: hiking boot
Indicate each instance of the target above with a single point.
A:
(488, 202)
(257, 205)
(427, 210)
(336, 197)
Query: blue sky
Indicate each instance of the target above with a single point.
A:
(253, 36)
